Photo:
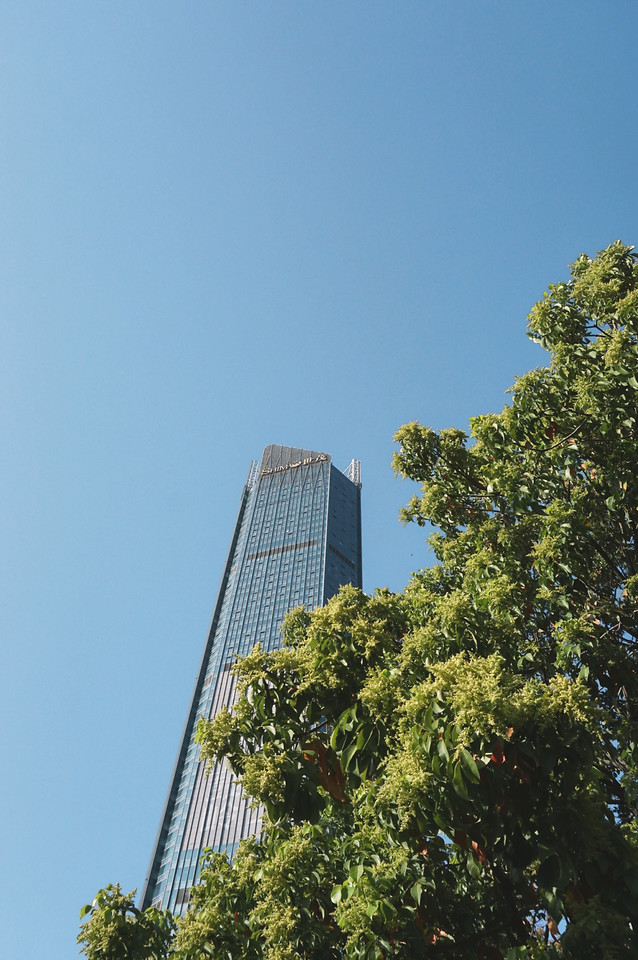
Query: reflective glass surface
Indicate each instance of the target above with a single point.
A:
(296, 541)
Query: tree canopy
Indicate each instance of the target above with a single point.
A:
(452, 771)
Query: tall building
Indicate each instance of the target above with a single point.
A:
(297, 539)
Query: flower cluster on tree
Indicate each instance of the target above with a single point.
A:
(452, 771)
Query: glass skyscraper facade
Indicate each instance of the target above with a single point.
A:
(297, 539)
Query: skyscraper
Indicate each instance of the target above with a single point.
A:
(297, 539)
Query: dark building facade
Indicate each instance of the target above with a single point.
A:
(297, 539)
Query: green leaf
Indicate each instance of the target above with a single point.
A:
(549, 872)
(415, 891)
(459, 783)
(347, 756)
(472, 865)
(468, 763)
(442, 750)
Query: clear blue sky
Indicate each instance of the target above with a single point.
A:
(227, 224)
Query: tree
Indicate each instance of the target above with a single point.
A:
(117, 930)
(451, 772)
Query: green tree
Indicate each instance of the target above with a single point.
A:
(117, 930)
(451, 772)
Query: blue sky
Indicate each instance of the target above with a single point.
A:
(227, 224)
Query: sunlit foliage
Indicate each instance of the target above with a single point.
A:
(451, 772)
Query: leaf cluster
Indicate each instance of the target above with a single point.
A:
(116, 930)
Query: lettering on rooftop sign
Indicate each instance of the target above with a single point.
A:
(298, 463)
